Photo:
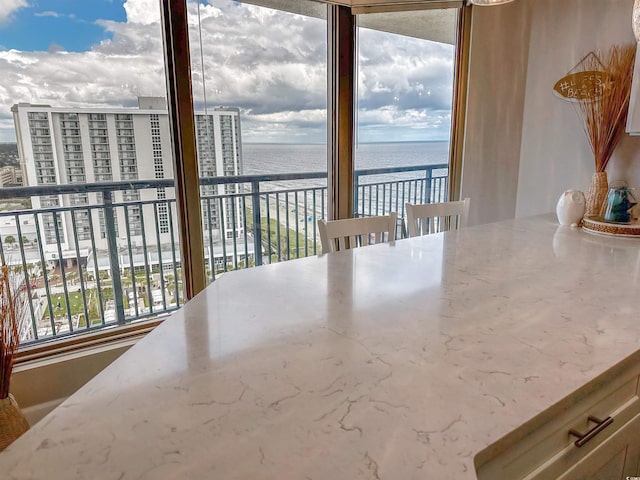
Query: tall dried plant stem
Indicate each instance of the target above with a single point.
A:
(9, 329)
(604, 116)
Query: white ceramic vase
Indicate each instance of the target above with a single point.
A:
(571, 207)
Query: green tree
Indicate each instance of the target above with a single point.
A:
(10, 239)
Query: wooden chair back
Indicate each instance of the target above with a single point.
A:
(339, 235)
(429, 218)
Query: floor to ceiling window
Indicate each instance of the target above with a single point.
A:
(88, 218)
(259, 88)
(405, 80)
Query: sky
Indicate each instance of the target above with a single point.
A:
(270, 64)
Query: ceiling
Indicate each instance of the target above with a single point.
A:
(413, 19)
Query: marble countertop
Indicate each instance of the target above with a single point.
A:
(396, 361)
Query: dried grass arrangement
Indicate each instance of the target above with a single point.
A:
(13, 313)
(604, 116)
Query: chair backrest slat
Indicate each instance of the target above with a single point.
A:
(436, 217)
(359, 232)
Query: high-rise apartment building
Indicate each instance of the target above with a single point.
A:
(10, 177)
(88, 145)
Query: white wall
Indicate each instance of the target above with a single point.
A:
(497, 80)
(555, 153)
(523, 145)
(40, 386)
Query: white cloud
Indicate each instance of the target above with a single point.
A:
(271, 64)
(48, 13)
(52, 14)
(144, 12)
(9, 7)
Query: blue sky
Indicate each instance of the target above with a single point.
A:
(271, 64)
(67, 23)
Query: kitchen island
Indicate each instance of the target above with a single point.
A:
(395, 361)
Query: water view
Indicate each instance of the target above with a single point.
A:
(261, 158)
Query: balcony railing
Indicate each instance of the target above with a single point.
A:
(111, 262)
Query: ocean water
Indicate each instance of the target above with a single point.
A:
(263, 158)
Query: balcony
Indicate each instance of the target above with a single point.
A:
(112, 263)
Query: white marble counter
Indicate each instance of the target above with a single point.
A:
(393, 361)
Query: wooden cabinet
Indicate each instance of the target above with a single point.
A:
(616, 457)
(544, 448)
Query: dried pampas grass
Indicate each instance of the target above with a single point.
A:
(604, 116)
(12, 315)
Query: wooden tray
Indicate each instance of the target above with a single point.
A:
(594, 224)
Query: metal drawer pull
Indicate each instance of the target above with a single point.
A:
(583, 438)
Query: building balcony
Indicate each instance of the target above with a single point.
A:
(108, 263)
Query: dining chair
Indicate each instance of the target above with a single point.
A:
(339, 235)
(428, 218)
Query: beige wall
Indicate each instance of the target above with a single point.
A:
(524, 146)
(498, 66)
(555, 154)
(42, 385)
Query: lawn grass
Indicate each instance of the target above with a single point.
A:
(59, 304)
(288, 250)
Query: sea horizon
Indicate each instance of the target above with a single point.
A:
(303, 157)
(358, 143)
(5, 142)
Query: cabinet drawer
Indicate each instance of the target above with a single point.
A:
(614, 458)
(541, 448)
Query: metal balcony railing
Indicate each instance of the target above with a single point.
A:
(110, 261)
